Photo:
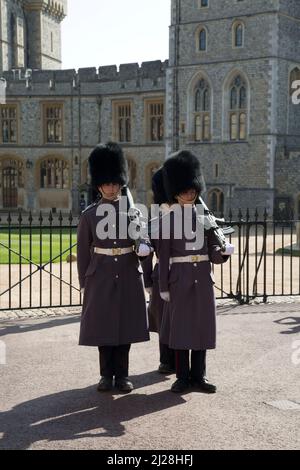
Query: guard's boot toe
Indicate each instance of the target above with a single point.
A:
(105, 384)
(165, 369)
(124, 385)
(180, 386)
(203, 385)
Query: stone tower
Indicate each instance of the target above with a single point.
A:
(229, 97)
(30, 33)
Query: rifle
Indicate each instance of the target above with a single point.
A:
(212, 223)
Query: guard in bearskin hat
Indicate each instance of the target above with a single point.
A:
(156, 304)
(110, 274)
(185, 277)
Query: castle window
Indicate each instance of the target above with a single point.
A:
(53, 123)
(216, 202)
(122, 122)
(203, 3)
(238, 34)
(8, 124)
(54, 174)
(132, 171)
(155, 120)
(202, 111)
(238, 109)
(294, 76)
(150, 170)
(202, 47)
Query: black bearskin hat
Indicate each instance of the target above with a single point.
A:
(181, 172)
(107, 164)
(159, 193)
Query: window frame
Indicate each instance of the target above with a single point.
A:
(46, 105)
(235, 25)
(160, 100)
(16, 106)
(54, 159)
(116, 104)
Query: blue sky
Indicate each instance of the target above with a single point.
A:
(105, 32)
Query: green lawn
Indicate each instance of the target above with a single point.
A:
(39, 244)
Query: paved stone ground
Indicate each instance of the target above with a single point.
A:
(49, 399)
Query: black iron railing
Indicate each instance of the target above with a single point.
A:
(38, 260)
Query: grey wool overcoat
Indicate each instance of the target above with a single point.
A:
(189, 319)
(114, 306)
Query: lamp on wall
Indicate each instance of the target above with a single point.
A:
(29, 164)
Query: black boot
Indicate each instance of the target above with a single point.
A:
(198, 371)
(123, 384)
(182, 372)
(180, 386)
(204, 385)
(105, 384)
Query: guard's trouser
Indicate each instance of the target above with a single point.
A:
(198, 365)
(114, 360)
(166, 355)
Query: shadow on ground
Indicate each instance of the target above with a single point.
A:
(11, 328)
(81, 413)
(292, 322)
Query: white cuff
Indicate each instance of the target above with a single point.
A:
(165, 296)
(144, 250)
(229, 249)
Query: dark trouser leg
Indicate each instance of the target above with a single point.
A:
(198, 365)
(106, 361)
(167, 355)
(121, 360)
(182, 365)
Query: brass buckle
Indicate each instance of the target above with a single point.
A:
(117, 251)
(195, 259)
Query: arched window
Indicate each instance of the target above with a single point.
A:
(202, 115)
(238, 34)
(150, 170)
(54, 174)
(216, 202)
(11, 179)
(132, 170)
(202, 40)
(238, 109)
(294, 75)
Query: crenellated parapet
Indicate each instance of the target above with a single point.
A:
(55, 8)
(127, 77)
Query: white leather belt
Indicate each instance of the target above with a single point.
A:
(113, 251)
(189, 259)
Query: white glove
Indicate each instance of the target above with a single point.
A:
(144, 250)
(148, 290)
(165, 296)
(229, 249)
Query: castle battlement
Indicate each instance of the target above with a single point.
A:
(20, 80)
(56, 8)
